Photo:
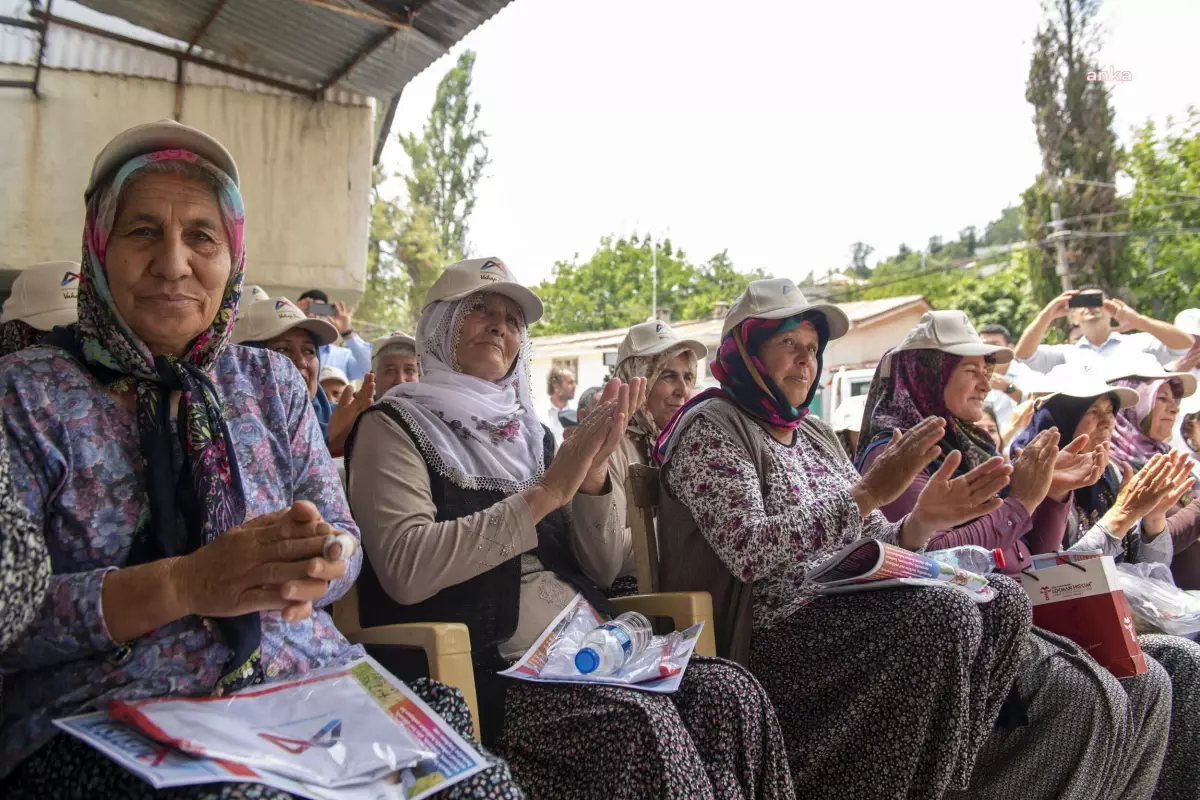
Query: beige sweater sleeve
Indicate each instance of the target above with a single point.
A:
(599, 538)
(414, 556)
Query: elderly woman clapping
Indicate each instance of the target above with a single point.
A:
(181, 483)
(468, 515)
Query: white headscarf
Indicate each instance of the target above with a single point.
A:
(475, 433)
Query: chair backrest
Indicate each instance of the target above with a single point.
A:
(641, 499)
(345, 612)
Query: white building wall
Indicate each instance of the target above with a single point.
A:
(305, 170)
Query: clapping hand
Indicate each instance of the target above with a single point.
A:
(904, 458)
(947, 501)
(1076, 467)
(1033, 470)
(349, 407)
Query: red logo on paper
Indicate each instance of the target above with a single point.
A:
(327, 737)
(1045, 592)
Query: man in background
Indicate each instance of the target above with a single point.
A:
(1006, 389)
(354, 358)
(394, 361)
(1100, 340)
(334, 382)
(560, 385)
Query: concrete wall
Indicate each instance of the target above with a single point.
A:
(305, 171)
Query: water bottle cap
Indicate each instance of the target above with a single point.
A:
(587, 660)
(998, 554)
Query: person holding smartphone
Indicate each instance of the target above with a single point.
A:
(1102, 321)
(354, 358)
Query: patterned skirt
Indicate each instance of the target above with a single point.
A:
(68, 768)
(1180, 777)
(891, 693)
(1084, 733)
(717, 737)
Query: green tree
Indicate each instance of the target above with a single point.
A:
(1164, 269)
(410, 243)
(859, 253)
(612, 289)
(1004, 230)
(448, 159)
(1073, 120)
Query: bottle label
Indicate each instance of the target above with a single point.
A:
(622, 636)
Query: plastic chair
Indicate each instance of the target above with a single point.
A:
(683, 608)
(447, 646)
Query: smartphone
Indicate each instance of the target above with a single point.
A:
(1086, 300)
(321, 309)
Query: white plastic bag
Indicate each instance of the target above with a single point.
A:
(1156, 600)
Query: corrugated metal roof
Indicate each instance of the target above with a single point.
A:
(311, 45)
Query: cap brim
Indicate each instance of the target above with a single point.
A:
(530, 303)
(699, 348)
(47, 320)
(839, 323)
(151, 138)
(387, 341)
(1127, 397)
(324, 332)
(1186, 378)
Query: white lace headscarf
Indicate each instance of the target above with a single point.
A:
(475, 433)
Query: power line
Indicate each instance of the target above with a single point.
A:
(1107, 185)
(1104, 214)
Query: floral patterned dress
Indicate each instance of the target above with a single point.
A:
(77, 467)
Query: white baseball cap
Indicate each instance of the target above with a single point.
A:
(848, 416)
(779, 298)
(395, 337)
(270, 318)
(653, 337)
(1145, 366)
(44, 295)
(947, 331)
(333, 374)
(255, 293)
(465, 278)
(1073, 380)
(166, 134)
(1188, 321)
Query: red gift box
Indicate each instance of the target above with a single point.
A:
(1081, 601)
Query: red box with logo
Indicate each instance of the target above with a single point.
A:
(1081, 601)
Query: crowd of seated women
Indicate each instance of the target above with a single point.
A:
(167, 483)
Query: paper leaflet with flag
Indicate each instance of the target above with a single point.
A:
(870, 564)
(321, 726)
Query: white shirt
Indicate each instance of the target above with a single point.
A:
(554, 423)
(1002, 403)
(1118, 345)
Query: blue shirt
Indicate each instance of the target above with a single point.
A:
(354, 359)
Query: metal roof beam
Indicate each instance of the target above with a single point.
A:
(204, 26)
(191, 58)
(373, 45)
(19, 23)
(369, 16)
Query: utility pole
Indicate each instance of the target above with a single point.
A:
(653, 279)
(1060, 244)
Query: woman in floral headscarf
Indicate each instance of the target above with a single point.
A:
(1069, 728)
(755, 492)
(181, 483)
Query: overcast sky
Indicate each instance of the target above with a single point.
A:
(783, 131)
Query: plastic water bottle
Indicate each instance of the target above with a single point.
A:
(971, 558)
(607, 648)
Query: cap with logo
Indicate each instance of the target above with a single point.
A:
(465, 278)
(333, 374)
(779, 298)
(950, 332)
(266, 320)
(1074, 380)
(44, 295)
(1146, 367)
(166, 134)
(395, 337)
(254, 293)
(653, 337)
